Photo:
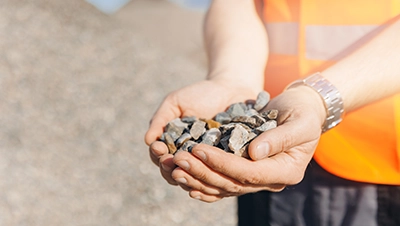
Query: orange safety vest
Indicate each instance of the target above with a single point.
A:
(306, 36)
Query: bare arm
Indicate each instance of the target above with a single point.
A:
(372, 72)
(236, 43)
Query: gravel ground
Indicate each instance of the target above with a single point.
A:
(77, 89)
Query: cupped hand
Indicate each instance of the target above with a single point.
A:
(204, 100)
(279, 156)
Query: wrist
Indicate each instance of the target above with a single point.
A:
(329, 96)
(313, 101)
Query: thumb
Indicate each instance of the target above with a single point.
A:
(282, 138)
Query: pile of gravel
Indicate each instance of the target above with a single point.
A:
(231, 131)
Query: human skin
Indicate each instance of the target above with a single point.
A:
(279, 156)
(228, 76)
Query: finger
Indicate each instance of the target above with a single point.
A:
(186, 179)
(283, 168)
(208, 177)
(204, 197)
(167, 111)
(156, 150)
(288, 135)
(166, 167)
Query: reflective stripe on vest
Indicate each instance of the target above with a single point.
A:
(306, 36)
(322, 42)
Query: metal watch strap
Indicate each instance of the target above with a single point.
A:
(329, 94)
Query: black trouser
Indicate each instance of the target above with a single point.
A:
(323, 199)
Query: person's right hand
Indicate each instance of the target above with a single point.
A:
(204, 100)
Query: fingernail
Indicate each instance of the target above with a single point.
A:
(262, 150)
(181, 180)
(183, 164)
(201, 155)
(165, 167)
(197, 197)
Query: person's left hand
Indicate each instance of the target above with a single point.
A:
(279, 156)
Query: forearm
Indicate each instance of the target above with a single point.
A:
(370, 73)
(236, 43)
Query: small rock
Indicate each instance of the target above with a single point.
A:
(238, 138)
(250, 112)
(227, 128)
(182, 139)
(223, 118)
(189, 119)
(259, 120)
(236, 110)
(270, 114)
(243, 152)
(170, 143)
(175, 128)
(267, 126)
(187, 146)
(211, 123)
(250, 121)
(251, 136)
(261, 101)
(211, 137)
(198, 128)
(224, 142)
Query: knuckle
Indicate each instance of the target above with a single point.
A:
(287, 141)
(251, 179)
(234, 189)
(201, 175)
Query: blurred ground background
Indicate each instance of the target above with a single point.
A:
(77, 89)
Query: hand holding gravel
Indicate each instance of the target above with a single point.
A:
(231, 130)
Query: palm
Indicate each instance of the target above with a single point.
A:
(203, 99)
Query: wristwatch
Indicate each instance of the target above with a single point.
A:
(330, 95)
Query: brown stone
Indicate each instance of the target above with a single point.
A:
(270, 114)
(211, 123)
(170, 143)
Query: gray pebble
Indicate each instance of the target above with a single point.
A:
(182, 139)
(175, 128)
(267, 126)
(236, 110)
(261, 101)
(198, 129)
(238, 138)
(223, 118)
(211, 137)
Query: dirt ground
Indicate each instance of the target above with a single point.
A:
(77, 90)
